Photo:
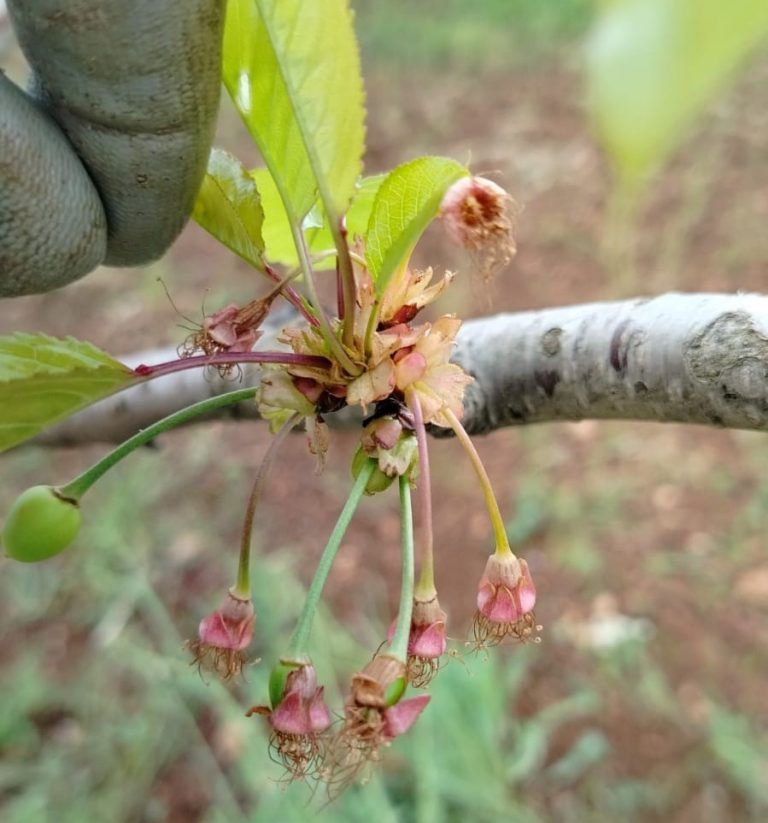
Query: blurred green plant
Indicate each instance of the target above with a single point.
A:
(102, 718)
(653, 66)
(457, 34)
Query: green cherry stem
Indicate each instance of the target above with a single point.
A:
(398, 646)
(297, 645)
(425, 588)
(76, 488)
(242, 588)
(499, 530)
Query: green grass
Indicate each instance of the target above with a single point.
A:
(486, 34)
(103, 719)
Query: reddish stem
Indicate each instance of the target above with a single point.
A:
(293, 297)
(230, 359)
(425, 588)
(339, 292)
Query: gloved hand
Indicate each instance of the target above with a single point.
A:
(101, 162)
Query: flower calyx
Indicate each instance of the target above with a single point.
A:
(506, 597)
(427, 642)
(223, 637)
(374, 715)
(299, 717)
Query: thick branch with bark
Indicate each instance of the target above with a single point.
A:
(686, 358)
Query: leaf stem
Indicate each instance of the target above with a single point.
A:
(76, 488)
(242, 587)
(499, 529)
(297, 645)
(398, 646)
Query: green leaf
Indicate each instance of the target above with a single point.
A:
(228, 207)
(292, 69)
(277, 229)
(43, 379)
(359, 212)
(405, 204)
(653, 65)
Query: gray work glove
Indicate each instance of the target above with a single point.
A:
(101, 161)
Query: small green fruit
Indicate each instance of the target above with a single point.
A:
(395, 691)
(378, 481)
(278, 678)
(40, 524)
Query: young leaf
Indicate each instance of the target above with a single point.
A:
(359, 212)
(277, 230)
(43, 379)
(228, 207)
(652, 66)
(406, 203)
(293, 71)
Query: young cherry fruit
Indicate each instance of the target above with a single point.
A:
(378, 481)
(40, 524)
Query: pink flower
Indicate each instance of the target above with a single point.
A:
(505, 600)
(224, 636)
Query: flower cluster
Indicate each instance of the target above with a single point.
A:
(391, 358)
(378, 356)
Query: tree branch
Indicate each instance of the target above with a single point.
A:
(686, 358)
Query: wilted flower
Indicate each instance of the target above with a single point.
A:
(279, 398)
(298, 719)
(224, 636)
(475, 212)
(391, 443)
(233, 329)
(407, 293)
(505, 600)
(374, 715)
(425, 368)
(426, 642)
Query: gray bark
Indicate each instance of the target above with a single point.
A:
(686, 358)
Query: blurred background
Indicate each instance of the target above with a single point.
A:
(646, 700)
